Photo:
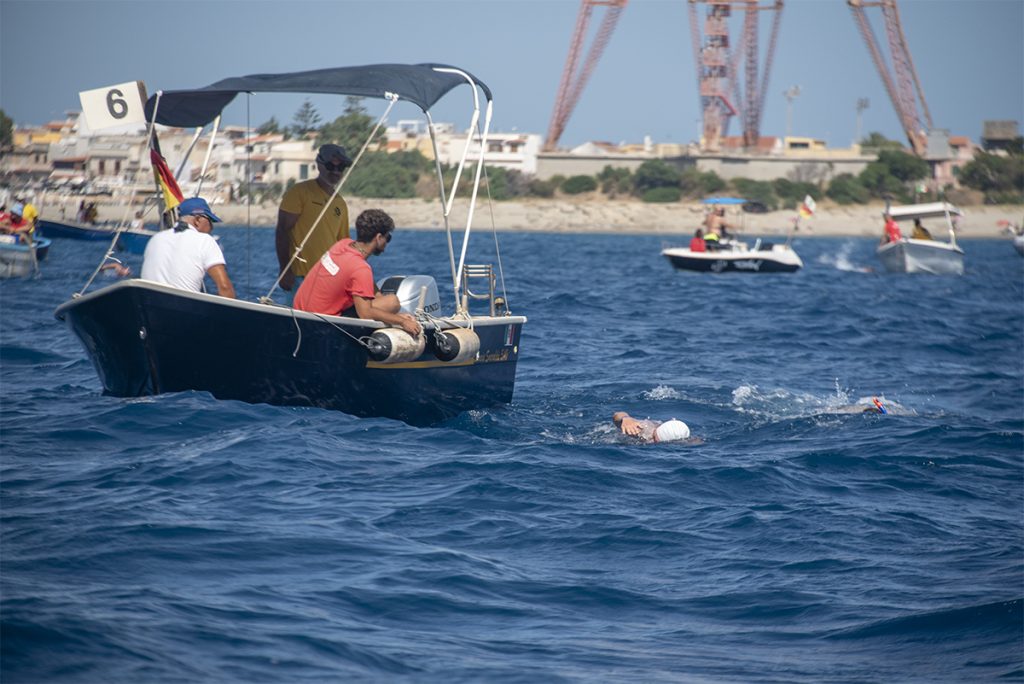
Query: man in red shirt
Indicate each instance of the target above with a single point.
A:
(341, 282)
(892, 230)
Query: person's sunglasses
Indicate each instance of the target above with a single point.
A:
(340, 166)
(387, 237)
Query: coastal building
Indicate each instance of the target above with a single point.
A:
(65, 155)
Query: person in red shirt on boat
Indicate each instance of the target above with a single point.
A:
(341, 282)
(14, 223)
(697, 243)
(892, 229)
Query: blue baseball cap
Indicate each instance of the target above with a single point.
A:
(197, 206)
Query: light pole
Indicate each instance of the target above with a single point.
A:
(790, 94)
(862, 104)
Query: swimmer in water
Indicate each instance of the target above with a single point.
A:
(651, 430)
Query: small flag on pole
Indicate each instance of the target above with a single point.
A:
(165, 181)
(808, 207)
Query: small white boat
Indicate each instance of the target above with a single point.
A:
(18, 259)
(735, 255)
(729, 254)
(915, 255)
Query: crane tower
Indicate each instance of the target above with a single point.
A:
(901, 83)
(718, 77)
(575, 77)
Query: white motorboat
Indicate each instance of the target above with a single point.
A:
(736, 255)
(917, 255)
(730, 254)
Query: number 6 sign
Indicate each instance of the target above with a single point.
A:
(114, 105)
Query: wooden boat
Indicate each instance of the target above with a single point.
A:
(912, 255)
(147, 338)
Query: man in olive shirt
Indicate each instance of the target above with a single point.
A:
(299, 209)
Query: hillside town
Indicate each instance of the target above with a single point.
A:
(65, 157)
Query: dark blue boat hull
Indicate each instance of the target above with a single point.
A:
(131, 241)
(148, 339)
(72, 231)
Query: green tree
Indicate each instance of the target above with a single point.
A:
(655, 174)
(574, 185)
(6, 131)
(615, 181)
(662, 194)
(386, 175)
(352, 129)
(1000, 177)
(792, 193)
(880, 142)
(306, 120)
(696, 184)
(903, 166)
(847, 189)
(542, 188)
(757, 191)
(269, 127)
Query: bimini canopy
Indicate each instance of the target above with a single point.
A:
(421, 84)
(929, 210)
(723, 200)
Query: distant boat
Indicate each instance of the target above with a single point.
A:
(915, 255)
(132, 240)
(18, 259)
(734, 255)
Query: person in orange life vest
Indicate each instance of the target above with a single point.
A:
(341, 282)
(697, 243)
(892, 229)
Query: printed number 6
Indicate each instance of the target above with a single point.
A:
(116, 104)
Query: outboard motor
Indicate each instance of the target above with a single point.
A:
(409, 289)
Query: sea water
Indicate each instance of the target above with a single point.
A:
(179, 538)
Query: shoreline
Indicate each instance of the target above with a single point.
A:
(611, 216)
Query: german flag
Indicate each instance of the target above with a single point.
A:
(165, 181)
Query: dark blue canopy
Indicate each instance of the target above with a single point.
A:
(421, 84)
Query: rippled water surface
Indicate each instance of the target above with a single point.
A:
(180, 538)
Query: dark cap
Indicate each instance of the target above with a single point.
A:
(197, 206)
(328, 152)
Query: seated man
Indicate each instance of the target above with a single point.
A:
(183, 256)
(920, 232)
(651, 430)
(341, 282)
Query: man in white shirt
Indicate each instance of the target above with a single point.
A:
(182, 256)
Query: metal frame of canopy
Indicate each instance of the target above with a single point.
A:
(930, 210)
(420, 84)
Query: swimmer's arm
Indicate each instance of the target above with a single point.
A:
(629, 425)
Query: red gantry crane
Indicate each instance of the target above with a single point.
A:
(718, 76)
(575, 78)
(902, 83)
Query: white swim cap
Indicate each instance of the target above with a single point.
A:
(671, 431)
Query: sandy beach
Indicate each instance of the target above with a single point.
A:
(619, 216)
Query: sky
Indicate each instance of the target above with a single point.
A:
(968, 54)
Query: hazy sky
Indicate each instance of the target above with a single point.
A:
(968, 54)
